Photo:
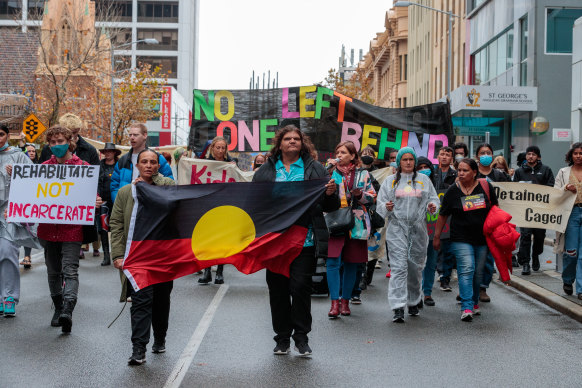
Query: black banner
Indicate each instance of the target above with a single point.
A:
(248, 120)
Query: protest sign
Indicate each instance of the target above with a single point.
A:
(535, 206)
(248, 120)
(204, 171)
(53, 194)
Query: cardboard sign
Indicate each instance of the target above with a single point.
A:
(53, 194)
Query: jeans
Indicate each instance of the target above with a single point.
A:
(525, 249)
(470, 264)
(488, 272)
(446, 260)
(150, 307)
(346, 281)
(573, 250)
(428, 272)
(9, 271)
(290, 297)
(360, 274)
(62, 266)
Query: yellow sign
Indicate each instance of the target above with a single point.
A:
(32, 128)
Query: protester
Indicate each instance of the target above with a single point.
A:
(425, 166)
(216, 151)
(405, 198)
(461, 151)
(468, 243)
(12, 234)
(151, 305)
(533, 171)
(500, 163)
(30, 151)
(290, 297)
(355, 191)
(110, 157)
(258, 162)
(125, 169)
(365, 272)
(484, 156)
(570, 178)
(62, 242)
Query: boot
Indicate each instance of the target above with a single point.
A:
(535, 263)
(206, 278)
(66, 317)
(58, 302)
(106, 254)
(345, 307)
(219, 279)
(370, 271)
(334, 310)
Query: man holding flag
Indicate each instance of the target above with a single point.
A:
(290, 297)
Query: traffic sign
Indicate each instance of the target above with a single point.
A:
(32, 128)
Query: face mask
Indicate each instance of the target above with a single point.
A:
(485, 160)
(4, 146)
(459, 157)
(393, 164)
(426, 171)
(60, 150)
(257, 165)
(366, 159)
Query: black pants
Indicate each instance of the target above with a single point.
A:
(150, 307)
(290, 298)
(525, 250)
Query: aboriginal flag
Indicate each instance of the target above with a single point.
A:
(178, 230)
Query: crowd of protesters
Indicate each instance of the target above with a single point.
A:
(397, 208)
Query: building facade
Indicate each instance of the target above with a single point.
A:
(519, 59)
(384, 64)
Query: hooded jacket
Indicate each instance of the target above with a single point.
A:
(540, 174)
(328, 203)
(123, 172)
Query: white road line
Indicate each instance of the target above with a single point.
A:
(177, 375)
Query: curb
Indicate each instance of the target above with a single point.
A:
(549, 298)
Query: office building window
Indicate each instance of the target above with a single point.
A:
(9, 9)
(559, 25)
(120, 36)
(153, 11)
(523, 34)
(168, 39)
(113, 11)
(169, 64)
(494, 58)
(35, 9)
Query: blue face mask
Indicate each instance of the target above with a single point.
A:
(393, 164)
(4, 146)
(485, 160)
(60, 150)
(426, 172)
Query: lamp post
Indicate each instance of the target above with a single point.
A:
(449, 48)
(112, 51)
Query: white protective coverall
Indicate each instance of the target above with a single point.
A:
(406, 234)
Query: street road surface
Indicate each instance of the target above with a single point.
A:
(516, 342)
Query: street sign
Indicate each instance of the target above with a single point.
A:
(32, 128)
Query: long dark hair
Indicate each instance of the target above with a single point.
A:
(399, 173)
(570, 152)
(307, 147)
(483, 145)
(472, 165)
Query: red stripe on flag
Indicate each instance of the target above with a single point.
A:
(156, 261)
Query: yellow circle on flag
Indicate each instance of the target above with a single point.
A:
(222, 232)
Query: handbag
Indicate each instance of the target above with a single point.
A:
(340, 221)
(376, 220)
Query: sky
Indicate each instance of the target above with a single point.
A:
(300, 39)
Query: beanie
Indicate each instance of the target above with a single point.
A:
(405, 150)
(535, 150)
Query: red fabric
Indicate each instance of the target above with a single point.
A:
(62, 232)
(501, 236)
(151, 262)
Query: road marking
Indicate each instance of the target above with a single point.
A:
(177, 375)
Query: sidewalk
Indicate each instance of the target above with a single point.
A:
(545, 285)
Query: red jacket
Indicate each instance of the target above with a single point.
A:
(62, 232)
(501, 237)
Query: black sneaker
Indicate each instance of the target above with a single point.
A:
(445, 286)
(356, 300)
(159, 347)
(398, 316)
(413, 311)
(429, 301)
(568, 289)
(420, 304)
(535, 263)
(303, 349)
(138, 357)
(282, 348)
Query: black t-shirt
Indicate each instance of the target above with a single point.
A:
(495, 175)
(468, 213)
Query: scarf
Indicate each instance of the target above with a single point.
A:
(347, 172)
